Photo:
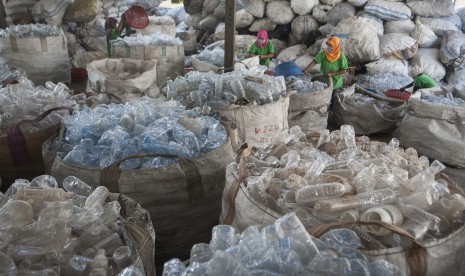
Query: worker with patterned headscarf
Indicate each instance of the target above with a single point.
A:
(262, 47)
(332, 61)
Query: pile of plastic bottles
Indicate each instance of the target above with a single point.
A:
(31, 30)
(362, 99)
(211, 91)
(284, 248)
(8, 74)
(153, 39)
(383, 81)
(50, 231)
(214, 56)
(340, 178)
(103, 135)
(304, 84)
(447, 99)
(24, 100)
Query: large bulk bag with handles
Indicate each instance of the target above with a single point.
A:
(367, 117)
(21, 154)
(183, 199)
(438, 257)
(310, 110)
(433, 129)
(256, 124)
(43, 58)
(170, 58)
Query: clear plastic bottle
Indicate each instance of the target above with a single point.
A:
(201, 253)
(231, 98)
(75, 185)
(238, 89)
(123, 257)
(39, 194)
(15, 213)
(97, 198)
(285, 173)
(99, 264)
(7, 265)
(224, 264)
(110, 243)
(223, 237)
(174, 267)
(322, 191)
(348, 133)
(44, 182)
(363, 200)
(316, 168)
(421, 216)
(130, 271)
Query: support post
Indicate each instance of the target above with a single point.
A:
(2, 16)
(230, 32)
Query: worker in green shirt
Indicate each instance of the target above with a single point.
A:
(333, 63)
(263, 48)
(113, 31)
(420, 82)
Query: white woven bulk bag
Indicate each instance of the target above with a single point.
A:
(388, 10)
(440, 25)
(320, 11)
(461, 14)
(302, 7)
(398, 45)
(304, 61)
(399, 26)
(360, 42)
(391, 66)
(52, 11)
(220, 32)
(452, 49)
(457, 79)
(280, 12)
(304, 24)
(255, 7)
(279, 46)
(262, 24)
(326, 29)
(220, 11)
(209, 23)
(193, 20)
(331, 2)
(292, 53)
(427, 61)
(209, 6)
(243, 19)
(376, 22)
(358, 3)
(431, 8)
(424, 36)
(339, 12)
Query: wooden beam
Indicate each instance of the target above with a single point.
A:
(230, 32)
(2, 16)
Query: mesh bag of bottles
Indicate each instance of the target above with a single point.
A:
(253, 106)
(161, 24)
(367, 112)
(308, 108)
(282, 248)
(38, 49)
(434, 125)
(29, 115)
(157, 154)
(406, 210)
(121, 80)
(167, 50)
(78, 230)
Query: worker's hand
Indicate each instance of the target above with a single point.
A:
(330, 74)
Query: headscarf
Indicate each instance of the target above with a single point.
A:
(335, 43)
(264, 35)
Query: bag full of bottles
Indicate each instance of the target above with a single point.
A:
(170, 159)
(399, 201)
(74, 230)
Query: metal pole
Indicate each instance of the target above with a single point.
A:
(2, 16)
(230, 32)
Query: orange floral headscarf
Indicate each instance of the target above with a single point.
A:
(335, 43)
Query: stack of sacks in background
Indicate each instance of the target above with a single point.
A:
(17, 11)
(401, 37)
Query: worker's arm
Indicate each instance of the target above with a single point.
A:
(309, 67)
(340, 72)
(266, 56)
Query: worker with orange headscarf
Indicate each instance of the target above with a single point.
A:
(332, 62)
